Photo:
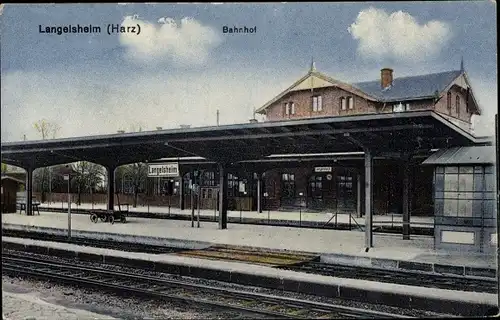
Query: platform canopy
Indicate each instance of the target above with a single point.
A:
(383, 132)
(480, 155)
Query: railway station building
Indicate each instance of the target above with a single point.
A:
(325, 145)
(332, 182)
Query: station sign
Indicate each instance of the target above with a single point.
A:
(169, 169)
(322, 169)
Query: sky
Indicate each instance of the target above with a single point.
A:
(181, 68)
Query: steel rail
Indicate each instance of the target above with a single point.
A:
(214, 297)
(404, 277)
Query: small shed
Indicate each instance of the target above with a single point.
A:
(10, 186)
(464, 198)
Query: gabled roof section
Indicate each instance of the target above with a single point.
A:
(471, 94)
(463, 155)
(314, 79)
(311, 82)
(411, 88)
(6, 177)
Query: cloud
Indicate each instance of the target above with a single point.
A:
(487, 97)
(93, 102)
(398, 36)
(187, 43)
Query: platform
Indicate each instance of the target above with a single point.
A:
(437, 300)
(321, 217)
(330, 244)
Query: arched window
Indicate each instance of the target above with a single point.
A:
(316, 187)
(457, 105)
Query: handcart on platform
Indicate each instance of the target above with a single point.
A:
(110, 216)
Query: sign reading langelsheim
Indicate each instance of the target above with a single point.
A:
(170, 169)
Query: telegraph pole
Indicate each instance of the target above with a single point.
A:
(218, 117)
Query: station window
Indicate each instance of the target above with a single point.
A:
(456, 190)
(232, 185)
(448, 101)
(289, 108)
(350, 103)
(457, 105)
(317, 103)
(344, 182)
(208, 179)
(343, 105)
(288, 185)
(467, 99)
(316, 186)
(208, 193)
(186, 188)
(398, 107)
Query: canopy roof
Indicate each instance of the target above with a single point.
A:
(382, 132)
(463, 156)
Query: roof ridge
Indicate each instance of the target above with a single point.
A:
(415, 76)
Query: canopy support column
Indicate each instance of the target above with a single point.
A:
(368, 199)
(368, 191)
(181, 191)
(111, 187)
(406, 197)
(29, 191)
(222, 196)
(259, 192)
(358, 196)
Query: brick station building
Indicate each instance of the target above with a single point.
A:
(333, 182)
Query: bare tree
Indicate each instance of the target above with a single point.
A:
(47, 130)
(137, 173)
(88, 176)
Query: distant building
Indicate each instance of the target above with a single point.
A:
(9, 189)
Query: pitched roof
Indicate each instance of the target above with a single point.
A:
(408, 88)
(307, 82)
(463, 155)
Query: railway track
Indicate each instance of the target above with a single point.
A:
(288, 261)
(411, 278)
(158, 288)
(95, 243)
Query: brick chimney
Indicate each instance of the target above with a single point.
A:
(386, 77)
